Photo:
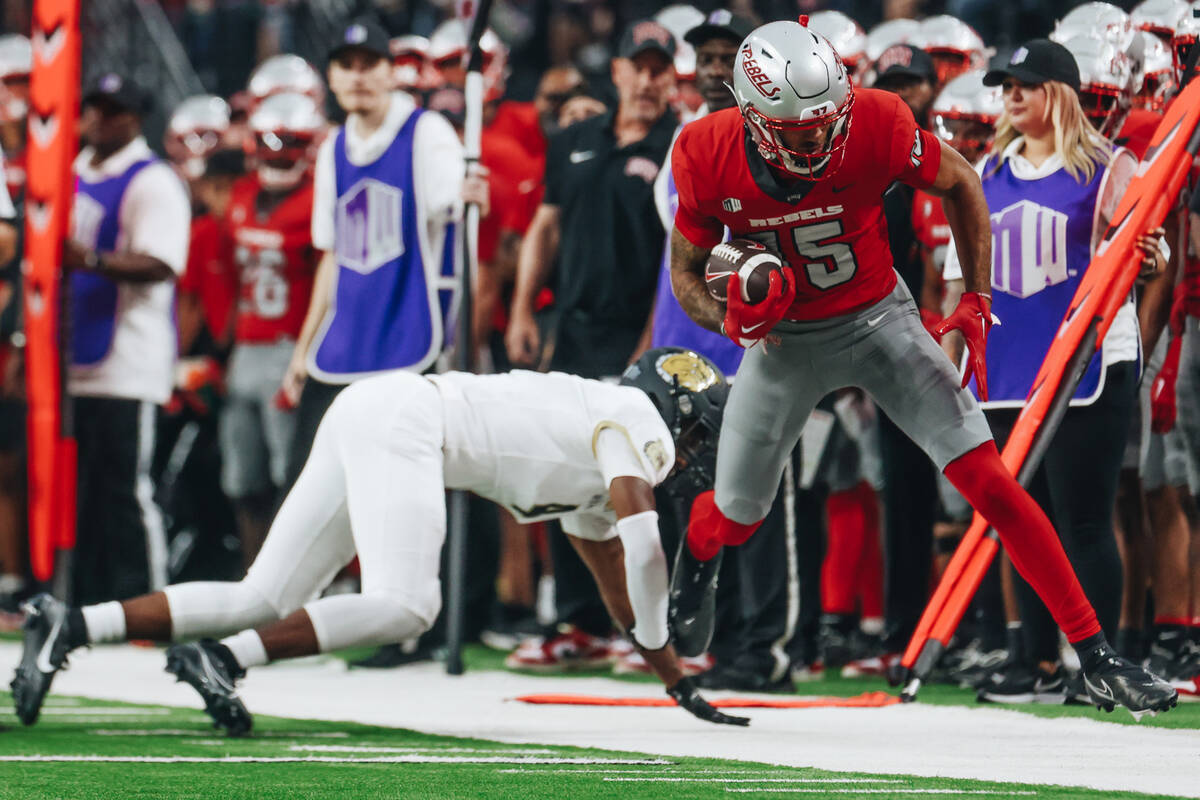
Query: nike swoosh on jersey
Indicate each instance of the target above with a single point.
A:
(840, 189)
(752, 328)
(873, 322)
(43, 656)
(579, 156)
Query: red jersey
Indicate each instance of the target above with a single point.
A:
(207, 275)
(930, 226)
(516, 174)
(1138, 130)
(831, 232)
(519, 122)
(275, 261)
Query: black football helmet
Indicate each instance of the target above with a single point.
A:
(689, 392)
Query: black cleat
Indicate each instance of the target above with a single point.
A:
(1114, 681)
(44, 653)
(213, 674)
(692, 614)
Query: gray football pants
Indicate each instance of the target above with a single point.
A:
(884, 350)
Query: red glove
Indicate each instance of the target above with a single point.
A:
(1162, 391)
(746, 324)
(930, 319)
(973, 317)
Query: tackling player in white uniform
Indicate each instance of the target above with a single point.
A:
(542, 445)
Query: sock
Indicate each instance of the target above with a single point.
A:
(1092, 651)
(708, 529)
(1014, 638)
(246, 649)
(1028, 537)
(1130, 643)
(103, 623)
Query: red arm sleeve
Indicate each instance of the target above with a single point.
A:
(915, 153)
(696, 226)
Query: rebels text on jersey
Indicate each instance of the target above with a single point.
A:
(275, 261)
(831, 232)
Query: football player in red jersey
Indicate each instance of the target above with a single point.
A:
(269, 223)
(801, 165)
(964, 116)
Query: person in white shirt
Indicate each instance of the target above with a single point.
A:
(545, 446)
(129, 243)
(386, 192)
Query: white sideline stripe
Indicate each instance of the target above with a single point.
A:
(181, 732)
(757, 780)
(108, 711)
(408, 759)
(992, 792)
(660, 771)
(353, 748)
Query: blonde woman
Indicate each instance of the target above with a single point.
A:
(1052, 183)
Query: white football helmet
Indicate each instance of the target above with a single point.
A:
(1155, 73)
(953, 45)
(1187, 31)
(285, 73)
(679, 19)
(16, 63)
(411, 68)
(886, 34)
(195, 129)
(1158, 17)
(448, 53)
(846, 36)
(966, 100)
(1105, 82)
(788, 78)
(287, 128)
(1103, 20)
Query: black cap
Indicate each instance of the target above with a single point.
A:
(120, 90)
(1037, 61)
(363, 33)
(904, 61)
(647, 35)
(720, 23)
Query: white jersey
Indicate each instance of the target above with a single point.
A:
(154, 219)
(533, 443)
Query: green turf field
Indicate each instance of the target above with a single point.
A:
(120, 751)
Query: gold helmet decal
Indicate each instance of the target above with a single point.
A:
(693, 372)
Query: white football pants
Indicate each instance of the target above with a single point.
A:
(373, 485)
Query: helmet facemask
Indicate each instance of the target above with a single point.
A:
(283, 158)
(768, 134)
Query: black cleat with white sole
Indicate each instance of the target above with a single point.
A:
(692, 613)
(209, 668)
(1113, 681)
(44, 653)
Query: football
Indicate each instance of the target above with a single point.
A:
(753, 262)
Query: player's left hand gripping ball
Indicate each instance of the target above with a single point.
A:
(747, 324)
(973, 317)
(685, 694)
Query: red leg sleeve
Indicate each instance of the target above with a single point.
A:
(870, 565)
(1027, 535)
(839, 578)
(709, 529)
